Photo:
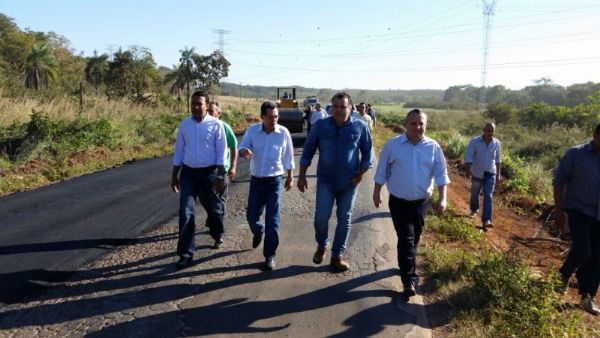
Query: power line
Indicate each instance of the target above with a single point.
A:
(221, 38)
(488, 12)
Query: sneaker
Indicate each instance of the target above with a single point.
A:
(319, 255)
(218, 243)
(488, 224)
(410, 290)
(473, 214)
(339, 264)
(270, 263)
(256, 240)
(184, 262)
(588, 304)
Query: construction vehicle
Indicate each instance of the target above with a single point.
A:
(290, 116)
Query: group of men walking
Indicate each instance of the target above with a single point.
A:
(411, 165)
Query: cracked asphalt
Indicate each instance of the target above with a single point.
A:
(135, 290)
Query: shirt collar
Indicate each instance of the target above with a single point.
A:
(276, 130)
(404, 139)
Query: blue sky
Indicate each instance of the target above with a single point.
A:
(377, 44)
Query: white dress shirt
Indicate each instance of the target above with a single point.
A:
(273, 152)
(411, 169)
(200, 144)
(483, 156)
(317, 115)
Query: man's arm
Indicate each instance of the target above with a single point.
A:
(174, 179)
(233, 155)
(559, 212)
(441, 204)
(302, 184)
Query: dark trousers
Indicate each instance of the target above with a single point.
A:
(198, 183)
(409, 220)
(584, 256)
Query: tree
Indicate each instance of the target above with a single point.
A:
(96, 69)
(40, 68)
(209, 70)
(501, 112)
(131, 73)
(186, 65)
(176, 78)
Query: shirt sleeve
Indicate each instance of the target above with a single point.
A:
(381, 173)
(179, 147)
(221, 144)
(366, 150)
(310, 146)
(470, 152)
(440, 170)
(563, 171)
(288, 155)
(246, 140)
(498, 155)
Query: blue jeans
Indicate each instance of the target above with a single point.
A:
(265, 193)
(584, 256)
(344, 197)
(487, 184)
(198, 183)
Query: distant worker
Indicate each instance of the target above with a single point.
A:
(482, 159)
(200, 151)
(362, 111)
(372, 113)
(345, 155)
(316, 115)
(410, 165)
(285, 95)
(269, 147)
(577, 193)
(214, 110)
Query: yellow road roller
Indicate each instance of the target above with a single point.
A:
(290, 116)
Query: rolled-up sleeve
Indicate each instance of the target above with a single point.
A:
(310, 146)
(440, 170)
(469, 152)
(288, 156)
(366, 150)
(381, 173)
(179, 147)
(498, 153)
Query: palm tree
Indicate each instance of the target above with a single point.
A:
(95, 70)
(40, 67)
(176, 77)
(186, 63)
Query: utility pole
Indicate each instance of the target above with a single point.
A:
(488, 11)
(221, 40)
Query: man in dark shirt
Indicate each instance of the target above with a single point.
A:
(577, 193)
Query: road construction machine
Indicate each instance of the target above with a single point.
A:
(290, 115)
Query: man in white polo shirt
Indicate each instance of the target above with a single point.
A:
(269, 147)
(200, 150)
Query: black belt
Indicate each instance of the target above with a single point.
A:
(413, 202)
(208, 169)
(266, 179)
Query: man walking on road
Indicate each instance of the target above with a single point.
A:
(230, 159)
(269, 147)
(577, 193)
(316, 115)
(482, 159)
(340, 140)
(410, 164)
(200, 155)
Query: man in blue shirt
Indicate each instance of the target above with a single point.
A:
(577, 193)
(269, 147)
(345, 154)
(200, 150)
(410, 164)
(482, 159)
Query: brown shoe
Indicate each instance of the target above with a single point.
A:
(319, 255)
(339, 264)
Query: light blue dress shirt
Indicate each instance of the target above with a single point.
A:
(483, 157)
(200, 144)
(411, 169)
(273, 152)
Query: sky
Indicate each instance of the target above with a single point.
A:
(338, 44)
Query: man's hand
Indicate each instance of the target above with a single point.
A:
(561, 221)
(246, 153)
(289, 181)
(498, 178)
(440, 206)
(356, 179)
(377, 197)
(231, 173)
(302, 185)
(175, 184)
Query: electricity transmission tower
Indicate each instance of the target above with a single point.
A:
(488, 11)
(221, 41)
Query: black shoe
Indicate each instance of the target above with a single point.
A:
(270, 263)
(184, 262)
(218, 243)
(256, 240)
(410, 290)
(588, 304)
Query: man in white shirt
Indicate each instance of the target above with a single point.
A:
(410, 164)
(317, 114)
(200, 150)
(269, 147)
(362, 110)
